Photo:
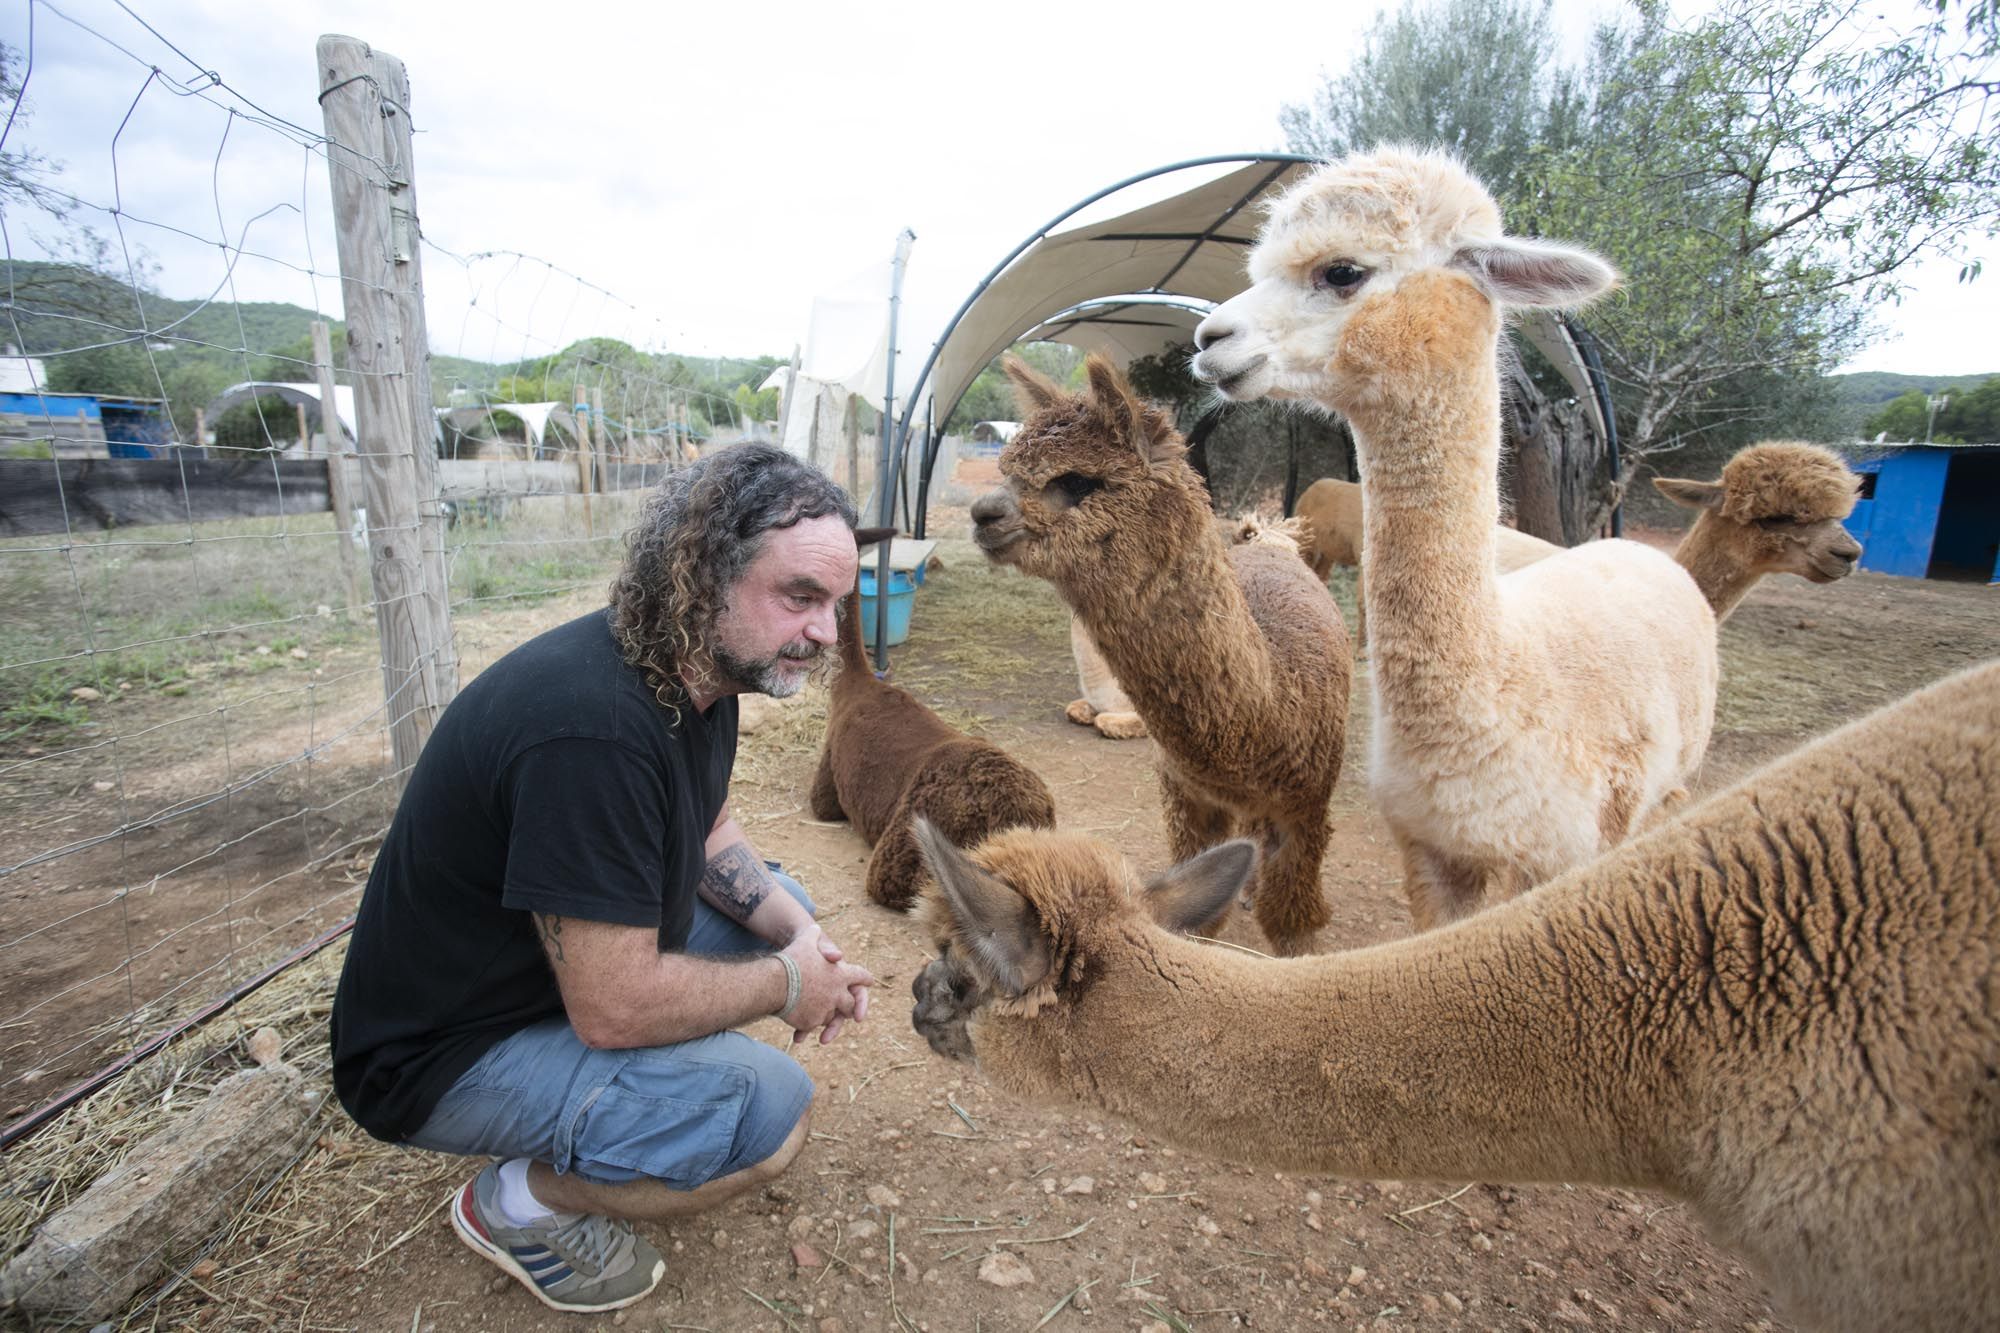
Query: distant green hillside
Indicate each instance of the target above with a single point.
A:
(66, 315)
(1875, 387)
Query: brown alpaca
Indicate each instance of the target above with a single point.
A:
(1522, 724)
(1780, 1007)
(1232, 655)
(887, 759)
(1777, 510)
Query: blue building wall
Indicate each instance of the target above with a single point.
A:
(1897, 525)
(1928, 508)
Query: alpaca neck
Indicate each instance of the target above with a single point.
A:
(1420, 1060)
(1185, 600)
(1704, 553)
(1430, 507)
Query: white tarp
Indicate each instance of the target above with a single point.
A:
(1190, 244)
(1124, 328)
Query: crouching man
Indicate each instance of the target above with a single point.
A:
(565, 925)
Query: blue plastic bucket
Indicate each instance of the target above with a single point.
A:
(902, 599)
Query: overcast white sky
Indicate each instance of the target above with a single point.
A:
(714, 166)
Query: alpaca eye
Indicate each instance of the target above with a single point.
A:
(1075, 486)
(1341, 278)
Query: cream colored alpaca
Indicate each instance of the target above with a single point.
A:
(1526, 722)
(1781, 1007)
(1103, 704)
(1331, 512)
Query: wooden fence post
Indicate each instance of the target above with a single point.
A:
(365, 101)
(579, 411)
(600, 430)
(335, 435)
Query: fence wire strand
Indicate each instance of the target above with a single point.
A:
(201, 679)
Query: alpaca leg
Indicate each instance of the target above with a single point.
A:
(896, 868)
(1080, 712)
(1291, 906)
(824, 799)
(1193, 825)
(1120, 726)
(1440, 889)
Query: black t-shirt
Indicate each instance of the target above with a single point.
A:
(555, 783)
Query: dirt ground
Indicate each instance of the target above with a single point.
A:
(918, 1173)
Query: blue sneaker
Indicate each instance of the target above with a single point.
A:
(576, 1262)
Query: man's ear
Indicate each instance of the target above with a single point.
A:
(1525, 273)
(1003, 938)
(1032, 390)
(1690, 494)
(1196, 891)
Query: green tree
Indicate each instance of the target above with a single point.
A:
(1473, 76)
(1904, 418)
(1763, 175)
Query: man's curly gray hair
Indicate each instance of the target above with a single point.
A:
(698, 534)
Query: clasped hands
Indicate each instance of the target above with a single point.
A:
(831, 992)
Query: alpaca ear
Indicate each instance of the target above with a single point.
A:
(1032, 390)
(1004, 941)
(1521, 272)
(1690, 494)
(1115, 403)
(1196, 891)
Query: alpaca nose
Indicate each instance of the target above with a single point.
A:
(990, 507)
(1212, 331)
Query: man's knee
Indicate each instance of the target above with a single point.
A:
(775, 1165)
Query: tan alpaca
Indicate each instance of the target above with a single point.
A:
(1522, 724)
(1103, 704)
(1331, 511)
(1783, 1007)
(1233, 656)
(1777, 510)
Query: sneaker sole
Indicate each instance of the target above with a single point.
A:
(469, 1232)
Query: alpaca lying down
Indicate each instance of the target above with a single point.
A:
(887, 759)
(1783, 1007)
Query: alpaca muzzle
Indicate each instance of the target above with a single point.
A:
(996, 522)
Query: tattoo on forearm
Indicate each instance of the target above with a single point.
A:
(736, 883)
(550, 928)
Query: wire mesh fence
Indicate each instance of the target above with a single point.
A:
(243, 559)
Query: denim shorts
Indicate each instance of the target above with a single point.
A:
(683, 1114)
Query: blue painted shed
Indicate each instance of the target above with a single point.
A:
(1930, 511)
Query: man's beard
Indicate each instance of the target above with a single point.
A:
(780, 675)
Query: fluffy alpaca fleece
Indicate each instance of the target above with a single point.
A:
(1525, 722)
(887, 759)
(1780, 1007)
(1331, 512)
(1104, 704)
(1234, 657)
(1777, 510)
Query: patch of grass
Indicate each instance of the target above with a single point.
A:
(45, 705)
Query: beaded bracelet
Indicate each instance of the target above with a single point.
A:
(793, 984)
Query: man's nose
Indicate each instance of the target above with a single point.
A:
(824, 627)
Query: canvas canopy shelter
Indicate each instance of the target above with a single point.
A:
(308, 394)
(1137, 283)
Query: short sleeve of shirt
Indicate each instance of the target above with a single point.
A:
(588, 830)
